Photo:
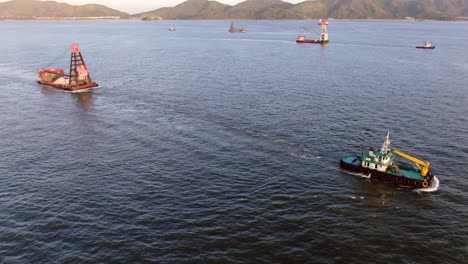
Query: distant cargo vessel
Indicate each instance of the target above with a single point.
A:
(232, 29)
(380, 165)
(78, 78)
(323, 35)
(427, 45)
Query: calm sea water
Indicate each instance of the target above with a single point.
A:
(209, 147)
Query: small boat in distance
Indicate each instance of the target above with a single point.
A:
(323, 35)
(172, 28)
(380, 165)
(427, 45)
(78, 78)
(232, 29)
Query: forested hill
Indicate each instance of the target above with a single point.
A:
(339, 9)
(30, 9)
(250, 9)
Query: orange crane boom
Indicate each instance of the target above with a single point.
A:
(425, 165)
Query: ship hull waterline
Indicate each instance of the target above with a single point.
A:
(238, 31)
(70, 88)
(312, 41)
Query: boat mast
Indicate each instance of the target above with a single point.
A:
(77, 65)
(386, 145)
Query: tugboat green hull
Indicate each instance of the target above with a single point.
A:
(405, 176)
(381, 165)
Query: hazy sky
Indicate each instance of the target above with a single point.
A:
(136, 6)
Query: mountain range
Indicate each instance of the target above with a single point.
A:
(30, 9)
(252, 9)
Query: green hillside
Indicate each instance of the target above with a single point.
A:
(250, 9)
(340, 9)
(27, 9)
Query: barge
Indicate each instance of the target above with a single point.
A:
(323, 35)
(77, 80)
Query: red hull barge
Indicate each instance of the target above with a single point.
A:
(302, 39)
(69, 88)
(323, 35)
(78, 78)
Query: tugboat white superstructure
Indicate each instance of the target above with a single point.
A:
(380, 165)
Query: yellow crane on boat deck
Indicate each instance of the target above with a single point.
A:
(425, 165)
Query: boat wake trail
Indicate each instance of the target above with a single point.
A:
(293, 149)
(83, 90)
(14, 71)
(241, 131)
(432, 188)
(296, 150)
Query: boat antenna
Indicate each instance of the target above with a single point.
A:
(386, 145)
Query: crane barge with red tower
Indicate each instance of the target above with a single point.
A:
(323, 35)
(78, 78)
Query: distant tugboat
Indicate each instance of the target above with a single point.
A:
(232, 29)
(323, 35)
(427, 45)
(380, 165)
(172, 28)
(78, 79)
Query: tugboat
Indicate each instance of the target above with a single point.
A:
(232, 29)
(380, 165)
(323, 35)
(78, 79)
(427, 45)
(172, 28)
